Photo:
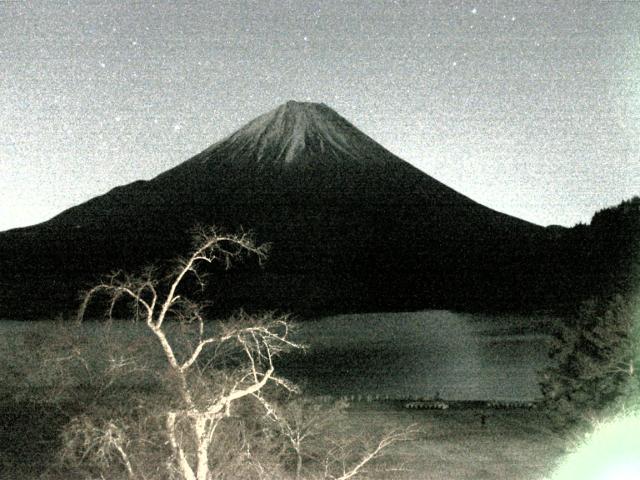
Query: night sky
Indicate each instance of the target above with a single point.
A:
(531, 108)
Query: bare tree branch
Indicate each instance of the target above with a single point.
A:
(386, 441)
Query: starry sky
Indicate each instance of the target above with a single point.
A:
(531, 108)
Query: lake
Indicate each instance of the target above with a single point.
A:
(430, 353)
(400, 355)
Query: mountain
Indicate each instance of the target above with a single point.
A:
(353, 228)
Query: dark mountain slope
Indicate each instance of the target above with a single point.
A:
(353, 227)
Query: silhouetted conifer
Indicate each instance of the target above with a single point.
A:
(595, 356)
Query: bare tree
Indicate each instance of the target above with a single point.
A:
(313, 433)
(191, 423)
(345, 461)
(206, 423)
(305, 426)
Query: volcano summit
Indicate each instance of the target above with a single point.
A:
(301, 132)
(353, 228)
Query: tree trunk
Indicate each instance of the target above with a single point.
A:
(298, 464)
(202, 469)
(183, 464)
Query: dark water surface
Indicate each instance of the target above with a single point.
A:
(399, 355)
(429, 353)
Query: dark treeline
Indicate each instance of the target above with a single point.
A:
(595, 352)
(600, 259)
(336, 261)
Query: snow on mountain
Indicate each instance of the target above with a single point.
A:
(299, 132)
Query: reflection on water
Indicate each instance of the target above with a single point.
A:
(429, 353)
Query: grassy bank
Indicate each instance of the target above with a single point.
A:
(456, 444)
(452, 444)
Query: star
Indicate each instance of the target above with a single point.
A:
(474, 11)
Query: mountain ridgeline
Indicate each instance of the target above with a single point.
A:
(352, 228)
